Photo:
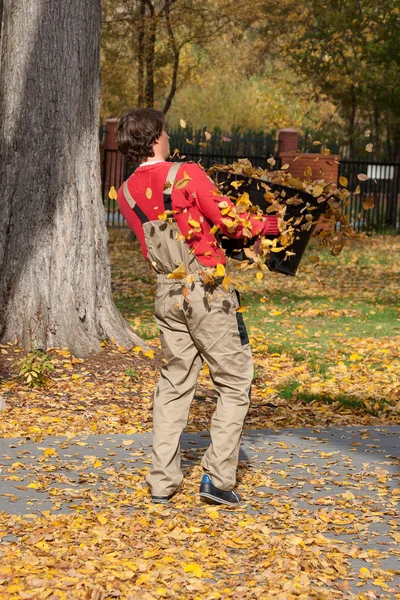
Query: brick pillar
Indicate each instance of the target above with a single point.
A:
(114, 162)
(110, 140)
(288, 140)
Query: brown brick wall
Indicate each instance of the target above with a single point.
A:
(323, 167)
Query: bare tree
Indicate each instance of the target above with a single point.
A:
(55, 286)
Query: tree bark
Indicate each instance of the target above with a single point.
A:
(150, 55)
(176, 52)
(55, 284)
(140, 54)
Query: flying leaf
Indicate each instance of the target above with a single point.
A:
(182, 183)
(286, 166)
(369, 147)
(259, 275)
(368, 203)
(188, 141)
(317, 190)
(308, 171)
(271, 161)
(149, 193)
(241, 309)
(178, 273)
(236, 184)
(220, 270)
(362, 177)
(194, 223)
(207, 135)
(316, 143)
(182, 123)
(226, 139)
(112, 194)
(225, 282)
(343, 181)
(367, 133)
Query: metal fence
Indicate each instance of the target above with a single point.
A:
(382, 187)
(382, 190)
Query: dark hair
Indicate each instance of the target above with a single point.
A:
(137, 131)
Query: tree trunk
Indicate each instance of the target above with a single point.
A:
(150, 54)
(140, 54)
(55, 285)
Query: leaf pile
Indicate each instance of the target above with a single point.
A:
(332, 200)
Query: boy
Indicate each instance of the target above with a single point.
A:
(174, 209)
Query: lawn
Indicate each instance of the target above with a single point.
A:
(326, 348)
(330, 334)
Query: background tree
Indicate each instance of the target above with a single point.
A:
(55, 288)
(153, 44)
(349, 50)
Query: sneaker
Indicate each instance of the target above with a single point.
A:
(214, 495)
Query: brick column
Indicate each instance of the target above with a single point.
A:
(288, 140)
(114, 162)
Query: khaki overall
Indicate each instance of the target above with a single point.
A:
(202, 325)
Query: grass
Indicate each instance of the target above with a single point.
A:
(343, 311)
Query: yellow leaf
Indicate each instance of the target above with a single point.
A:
(182, 123)
(194, 568)
(143, 578)
(241, 309)
(236, 184)
(220, 270)
(137, 349)
(194, 223)
(149, 193)
(259, 275)
(178, 273)
(182, 183)
(112, 194)
(343, 181)
(317, 190)
(151, 553)
(97, 464)
(308, 171)
(225, 282)
(50, 452)
(214, 229)
(33, 486)
(149, 353)
(102, 519)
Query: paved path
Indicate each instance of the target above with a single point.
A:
(310, 469)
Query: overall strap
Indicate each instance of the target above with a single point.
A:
(171, 180)
(138, 211)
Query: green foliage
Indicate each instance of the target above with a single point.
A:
(132, 374)
(349, 51)
(35, 368)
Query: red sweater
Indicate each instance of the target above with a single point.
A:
(197, 205)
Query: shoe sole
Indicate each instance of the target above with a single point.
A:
(160, 501)
(218, 500)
